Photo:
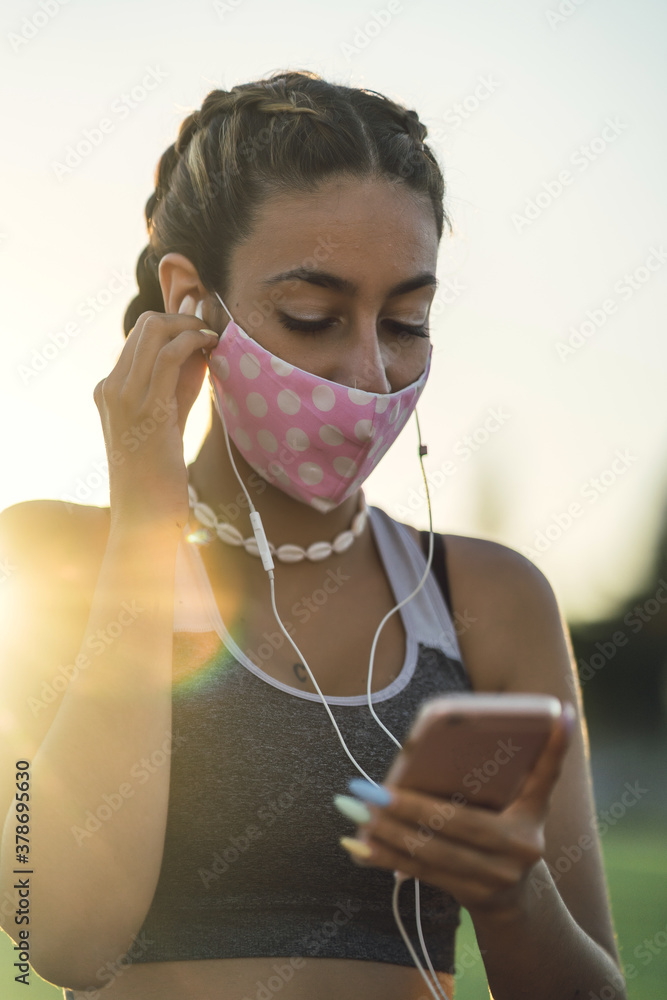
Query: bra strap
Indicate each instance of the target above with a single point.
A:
(439, 564)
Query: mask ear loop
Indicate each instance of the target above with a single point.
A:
(225, 308)
(199, 311)
(268, 566)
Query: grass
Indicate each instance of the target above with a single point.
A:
(636, 864)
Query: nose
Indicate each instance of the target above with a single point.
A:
(363, 363)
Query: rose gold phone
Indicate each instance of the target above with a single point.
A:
(475, 748)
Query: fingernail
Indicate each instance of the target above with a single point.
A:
(376, 795)
(351, 808)
(569, 717)
(212, 332)
(355, 847)
(187, 304)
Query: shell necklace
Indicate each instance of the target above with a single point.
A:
(226, 532)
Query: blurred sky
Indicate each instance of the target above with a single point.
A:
(538, 93)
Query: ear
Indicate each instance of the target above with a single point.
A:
(178, 278)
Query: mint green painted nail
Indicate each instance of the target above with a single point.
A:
(352, 808)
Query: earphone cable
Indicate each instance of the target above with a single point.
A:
(268, 566)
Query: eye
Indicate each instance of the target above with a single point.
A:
(416, 331)
(314, 326)
(304, 325)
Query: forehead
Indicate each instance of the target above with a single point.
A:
(358, 227)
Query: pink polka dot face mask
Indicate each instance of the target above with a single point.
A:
(316, 440)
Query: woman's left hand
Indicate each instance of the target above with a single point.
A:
(481, 857)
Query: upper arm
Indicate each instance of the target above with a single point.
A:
(518, 641)
(45, 596)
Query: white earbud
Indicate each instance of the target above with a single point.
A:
(199, 311)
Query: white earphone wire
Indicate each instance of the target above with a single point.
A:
(267, 562)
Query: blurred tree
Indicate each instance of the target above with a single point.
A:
(622, 660)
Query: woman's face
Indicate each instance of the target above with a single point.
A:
(339, 282)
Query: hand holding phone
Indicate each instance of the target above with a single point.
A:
(475, 748)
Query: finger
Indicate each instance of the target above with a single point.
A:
(418, 819)
(460, 822)
(444, 862)
(157, 332)
(170, 361)
(124, 360)
(533, 799)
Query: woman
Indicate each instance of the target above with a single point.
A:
(184, 837)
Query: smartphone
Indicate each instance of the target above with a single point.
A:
(475, 749)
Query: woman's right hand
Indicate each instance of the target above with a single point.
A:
(143, 405)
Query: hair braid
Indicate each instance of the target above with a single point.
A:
(287, 132)
(415, 129)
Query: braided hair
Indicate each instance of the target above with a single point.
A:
(286, 132)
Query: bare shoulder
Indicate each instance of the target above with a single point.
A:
(35, 533)
(507, 614)
(51, 552)
(474, 563)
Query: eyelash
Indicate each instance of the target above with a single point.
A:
(314, 326)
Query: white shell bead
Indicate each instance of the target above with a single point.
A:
(204, 514)
(285, 553)
(358, 523)
(290, 553)
(343, 541)
(230, 534)
(319, 550)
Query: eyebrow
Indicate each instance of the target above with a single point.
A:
(326, 280)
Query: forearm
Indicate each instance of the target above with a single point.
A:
(114, 716)
(540, 952)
